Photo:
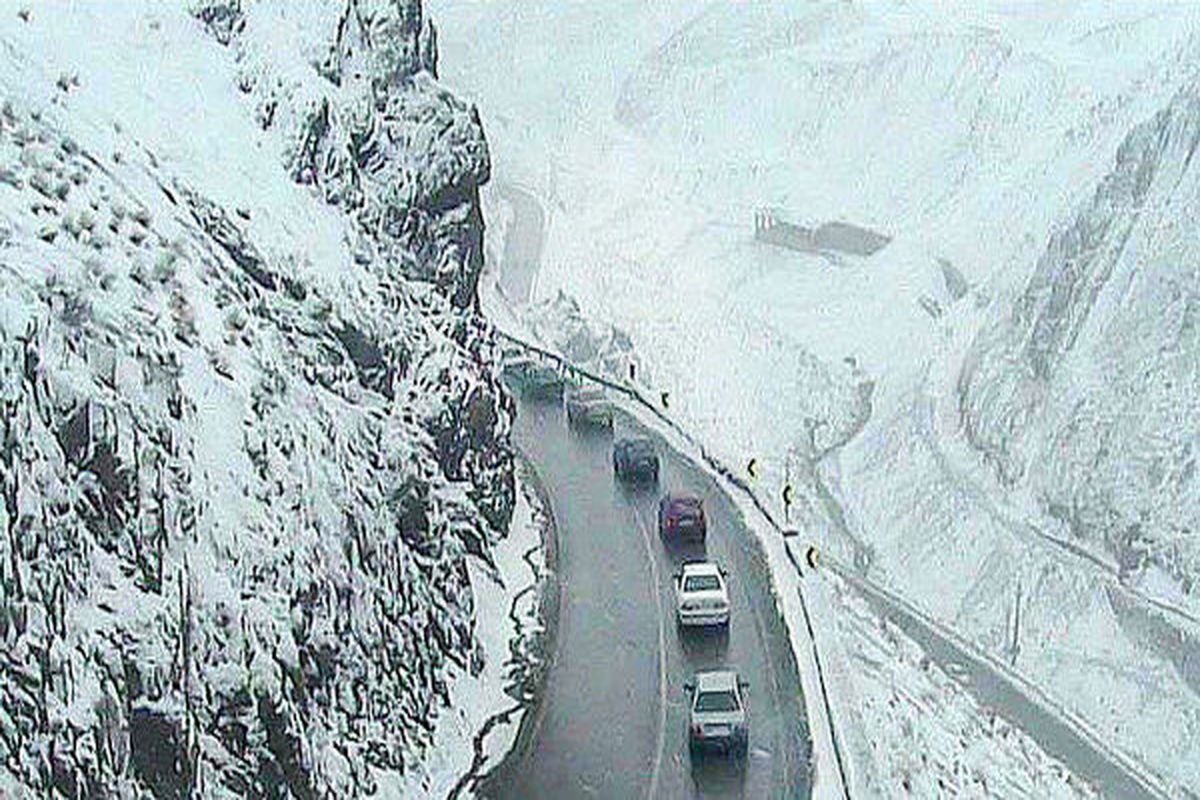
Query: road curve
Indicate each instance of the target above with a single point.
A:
(992, 690)
(609, 722)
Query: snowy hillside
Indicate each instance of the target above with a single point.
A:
(1023, 345)
(1086, 390)
(250, 427)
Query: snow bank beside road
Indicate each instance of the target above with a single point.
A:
(952, 746)
(506, 625)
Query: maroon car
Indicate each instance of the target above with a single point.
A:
(681, 515)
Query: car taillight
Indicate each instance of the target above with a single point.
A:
(698, 729)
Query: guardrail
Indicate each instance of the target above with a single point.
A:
(721, 469)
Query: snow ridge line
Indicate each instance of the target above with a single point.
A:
(722, 470)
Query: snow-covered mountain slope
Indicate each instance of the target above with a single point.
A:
(1085, 391)
(1034, 487)
(1021, 343)
(250, 428)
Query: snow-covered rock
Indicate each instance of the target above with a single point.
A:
(1031, 166)
(250, 428)
(1085, 389)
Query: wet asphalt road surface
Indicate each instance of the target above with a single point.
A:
(610, 724)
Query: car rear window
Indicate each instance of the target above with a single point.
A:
(678, 509)
(701, 583)
(716, 701)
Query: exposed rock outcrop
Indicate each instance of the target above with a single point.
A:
(237, 505)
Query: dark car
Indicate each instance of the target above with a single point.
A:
(543, 382)
(680, 516)
(515, 372)
(587, 406)
(635, 459)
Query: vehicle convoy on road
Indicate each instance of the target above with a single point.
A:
(681, 516)
(616, 605)
(701, 596)
(717, 714)
(635, 460)
(588, 406)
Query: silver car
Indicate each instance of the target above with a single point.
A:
(717, 716)
(588, 405)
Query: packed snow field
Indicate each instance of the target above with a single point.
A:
(997, 403)
(254, 458)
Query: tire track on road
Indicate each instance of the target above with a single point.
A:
(652, 790)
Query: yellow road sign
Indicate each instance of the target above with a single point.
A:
(811, 556)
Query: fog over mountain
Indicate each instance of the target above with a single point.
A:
(911, 287)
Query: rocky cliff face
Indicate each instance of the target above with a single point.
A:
(1085, 393)
(237, 503)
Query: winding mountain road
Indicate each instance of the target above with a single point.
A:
(612, 720)
(595, 746)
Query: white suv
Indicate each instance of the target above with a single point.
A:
(701, 596)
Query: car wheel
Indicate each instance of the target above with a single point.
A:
(693, 749)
